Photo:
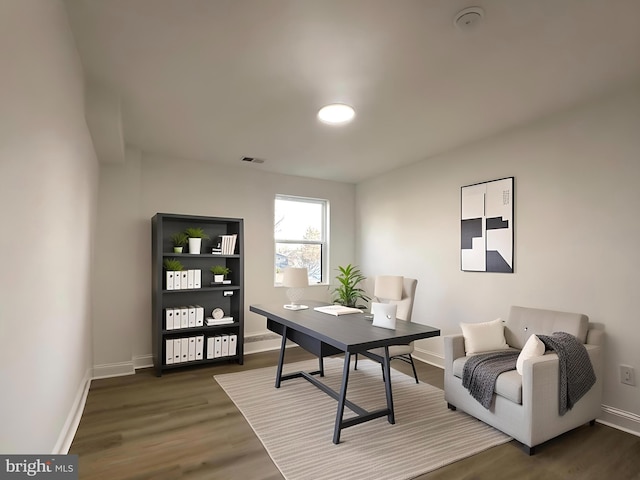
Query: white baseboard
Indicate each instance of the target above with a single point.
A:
(73, 419)
(620, 419)
(143, 361)
(113, 370)
(428, 357)
(261, 342)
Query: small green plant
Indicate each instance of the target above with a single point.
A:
(172, 264)
(348, 293)
(220, 270)
(180, 239)
(193, 232)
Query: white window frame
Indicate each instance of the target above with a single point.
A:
(324, 237)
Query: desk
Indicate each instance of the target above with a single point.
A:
(323, 335)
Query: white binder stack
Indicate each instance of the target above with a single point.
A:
(218, 321)
(233, 345)
(168, 352)
(199, 347)
(199, 316)
(210, 347)
(184, 317)
(192, 315)
(168, 319)
(192, 349)
(169, 280)
(184, 349)
(228, 244)
(177, 344)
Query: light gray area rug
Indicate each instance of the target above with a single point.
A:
(295, 424)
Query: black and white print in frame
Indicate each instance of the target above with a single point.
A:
(486, 226)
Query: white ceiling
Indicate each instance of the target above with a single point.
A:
(216, 80)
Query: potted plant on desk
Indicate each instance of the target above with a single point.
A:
(348, 293)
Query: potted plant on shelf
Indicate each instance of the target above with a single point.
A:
(172, 277)
(195, 235)
(348, 293)
(173, 265)
(180, 240)
(219, 272)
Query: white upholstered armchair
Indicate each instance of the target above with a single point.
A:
(400, 291)
(527, 406)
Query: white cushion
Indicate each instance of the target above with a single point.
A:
(533, 348)
(483, 337)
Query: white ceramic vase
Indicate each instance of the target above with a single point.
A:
(194, 245)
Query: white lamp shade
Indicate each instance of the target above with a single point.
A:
(389, 287)
(295, 277)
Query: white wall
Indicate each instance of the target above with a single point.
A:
(131, 193)
(577, 230)
(47, 204)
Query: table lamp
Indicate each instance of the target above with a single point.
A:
(296, 279)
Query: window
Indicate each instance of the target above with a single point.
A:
(300, 233)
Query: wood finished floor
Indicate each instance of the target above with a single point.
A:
(183, 425)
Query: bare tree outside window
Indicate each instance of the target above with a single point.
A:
(300, 236)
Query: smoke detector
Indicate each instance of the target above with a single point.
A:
(468, 18)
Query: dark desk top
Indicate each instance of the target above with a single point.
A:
(352, 333)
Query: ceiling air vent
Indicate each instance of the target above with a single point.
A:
(252, 160)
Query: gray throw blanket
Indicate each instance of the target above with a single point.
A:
(480, 373)
(576, 372)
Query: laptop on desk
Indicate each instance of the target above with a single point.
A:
(384, 315)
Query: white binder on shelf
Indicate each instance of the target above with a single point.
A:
(168, 319)
(184, 349)
(168, 352)
(199, 316)
(192, 315)
(184, 280)
(177, 318)
(210, 347)
(176, 281)
(225, 345)
(233, 344)
(184, 317)
(199, 347)
(232, 248)
(177, 343)
(228, 243)
(190, 278)
(224, 241)
(169, 280)
(197, 278)
(192, 349)
(217, 346)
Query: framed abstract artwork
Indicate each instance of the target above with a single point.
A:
(486, 226)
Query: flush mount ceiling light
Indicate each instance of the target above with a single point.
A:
(336, 114)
